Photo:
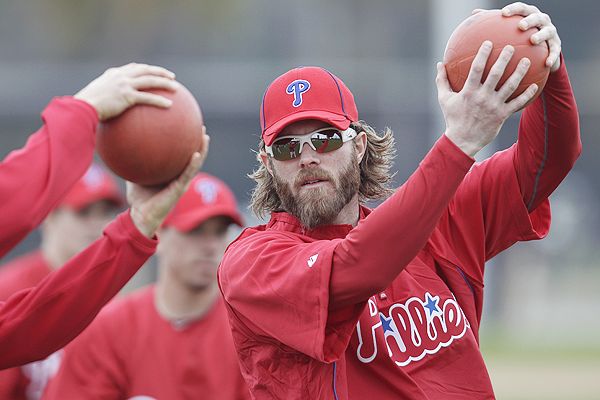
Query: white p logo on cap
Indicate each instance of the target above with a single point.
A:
(296, 88)
(207, 190)
(93, 176)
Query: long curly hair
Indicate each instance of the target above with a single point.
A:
(375, 174)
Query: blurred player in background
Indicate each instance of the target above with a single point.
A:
(37, 321)
(332, 300)
(170, 340)
(78, 220)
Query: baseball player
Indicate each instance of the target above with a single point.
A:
(332, 300)
(79, 219)
(38, 321)
(170, 340)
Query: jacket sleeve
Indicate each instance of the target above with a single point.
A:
(38, 321)
(549, 140)
(380, 247)
(35, 178)
(504, 199)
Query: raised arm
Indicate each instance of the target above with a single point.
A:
(376, 252)
(549, 138)
(35, 178)
(504, 199)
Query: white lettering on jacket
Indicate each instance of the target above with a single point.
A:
(412, 329)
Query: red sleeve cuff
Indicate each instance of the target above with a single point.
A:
(73, 103)
(560, 74)
(123, 226)
(87, 106)
(454, 153)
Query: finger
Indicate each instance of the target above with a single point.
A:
(129, 192)
(514, 79)
(519, 8)
(135, 69)
(182, 182)
(478, 65)
(521, 100)
(555, 49)
(151, 99)
(159, 71)
(153, 82)
(499, 66)
(205, 145)
(477, 10)
(441, 80)
(547, 33)
(538, 19)
(196, 163)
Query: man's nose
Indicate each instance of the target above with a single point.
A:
(308, 156)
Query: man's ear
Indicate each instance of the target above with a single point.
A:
(264, 159)
(361, 145)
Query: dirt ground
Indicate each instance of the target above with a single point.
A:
(548, 378)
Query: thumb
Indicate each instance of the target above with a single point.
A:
(441, 80)
(181, 184)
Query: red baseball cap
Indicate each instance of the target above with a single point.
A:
(205, 198)
(95, 185)
(306, 93)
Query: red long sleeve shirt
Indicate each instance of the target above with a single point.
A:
(34, 179)
(155, 359)
(391, 308)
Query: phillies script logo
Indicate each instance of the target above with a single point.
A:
(411, 330)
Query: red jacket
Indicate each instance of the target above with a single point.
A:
(391, 308)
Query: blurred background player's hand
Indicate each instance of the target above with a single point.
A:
(151, 205)
(119, 88)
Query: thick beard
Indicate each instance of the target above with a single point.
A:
(319, 206)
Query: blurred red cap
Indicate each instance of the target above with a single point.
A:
(95, 185)
(206, 197)
(306, 93)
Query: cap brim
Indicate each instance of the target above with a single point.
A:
(80, 202)
(336, 120)
(188, 221)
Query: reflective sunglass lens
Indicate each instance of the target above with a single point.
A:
(286, 149)
(327, 141)
(323, 141)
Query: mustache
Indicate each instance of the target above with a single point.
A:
(312, 174)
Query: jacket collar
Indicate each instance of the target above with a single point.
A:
(283, 221)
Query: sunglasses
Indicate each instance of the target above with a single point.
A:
(322, 141)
